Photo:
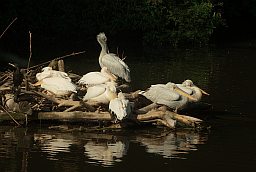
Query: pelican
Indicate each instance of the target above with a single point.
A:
(111, 61)
(191, 89)
(57, 86)
(167, 94)
(48, 72)
(95, 78)
(120, 107)
(101, 93)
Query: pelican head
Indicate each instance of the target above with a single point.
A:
(45, 69)
(101, 38)
(111, 86)
(189, 83)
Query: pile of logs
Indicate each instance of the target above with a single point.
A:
(34, 105)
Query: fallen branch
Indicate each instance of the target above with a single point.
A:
(10, 115)
(8, 27)
(58, 58)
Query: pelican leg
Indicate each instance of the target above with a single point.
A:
(176, 110)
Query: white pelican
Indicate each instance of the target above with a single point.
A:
(111, 61)
(191, 89)
(48, 72)
(95, 78)
(120, 107)
(101, 93)
(57, 86)
(167, 94)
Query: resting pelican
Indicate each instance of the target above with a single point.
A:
(120, 107)
(57, 86)
(191, 89)
(111, 61)
(48, 72)
(101, 93)
(167, 94)
(95, 78)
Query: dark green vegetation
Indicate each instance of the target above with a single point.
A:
(156, 22)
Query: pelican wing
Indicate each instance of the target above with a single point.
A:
(94, 91)
(58, 85)
(115, 106)
(120, 107)
(161, 95)
(116, 66)
(48, 73)
(93, 78)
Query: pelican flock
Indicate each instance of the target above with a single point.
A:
(102, 86)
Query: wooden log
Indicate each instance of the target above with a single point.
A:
(165, 118)
(75, 115)
(5, 117)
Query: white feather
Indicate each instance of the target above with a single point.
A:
(48, 72)
(102, 93)
(95, 78)
(120, 106)
(166, 95)
(58, 86)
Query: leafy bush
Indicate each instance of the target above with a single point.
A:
(159, 22)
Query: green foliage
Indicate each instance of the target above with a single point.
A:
(159, 22)
(188, 21)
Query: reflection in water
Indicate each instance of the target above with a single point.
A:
(174, 144)
(106, 153)
(100, 149)
(52, 145)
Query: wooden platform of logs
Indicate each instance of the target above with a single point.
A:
(34, 105)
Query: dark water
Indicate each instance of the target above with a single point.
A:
(226, 73)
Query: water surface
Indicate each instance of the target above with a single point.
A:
(226, 73)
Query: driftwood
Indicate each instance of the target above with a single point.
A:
(148, 114)
(49, 108)
(158, 117)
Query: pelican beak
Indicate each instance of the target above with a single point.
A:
(112, 76)
(204, 92)
(38, 83)
(183, 93)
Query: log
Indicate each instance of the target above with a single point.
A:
(75, 115)
(165, 118)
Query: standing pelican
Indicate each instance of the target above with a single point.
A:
(95, 78)
(111, 61)
(120, 107)
(101, 94)
(167, 94)
(48, 72)
(191, 89)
